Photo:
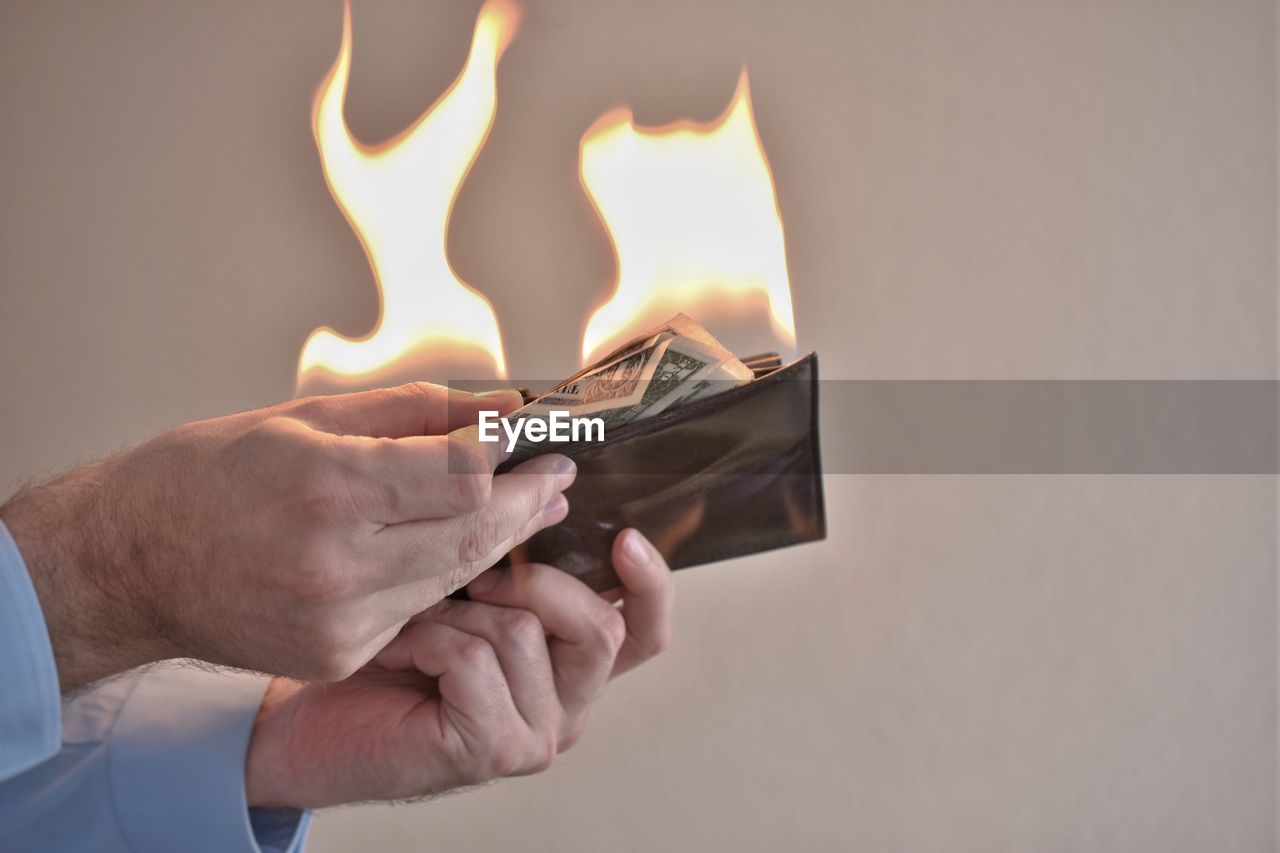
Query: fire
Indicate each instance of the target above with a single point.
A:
(693, 217)
(690, 209)
(398, 197)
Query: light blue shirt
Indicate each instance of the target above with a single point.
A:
(149, 761)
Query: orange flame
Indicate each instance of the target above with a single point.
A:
(398, 197)
(693, 217)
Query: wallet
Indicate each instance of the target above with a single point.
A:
(733, 474)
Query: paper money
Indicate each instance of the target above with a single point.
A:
(675, 364)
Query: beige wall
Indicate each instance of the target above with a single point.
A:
(978, 190)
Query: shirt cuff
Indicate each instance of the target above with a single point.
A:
(177, 758)
(30, 713)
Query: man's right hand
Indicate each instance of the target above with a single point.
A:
(469, 692)
(295, 540)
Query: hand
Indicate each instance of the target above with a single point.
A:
(468, 692)
(295, 540)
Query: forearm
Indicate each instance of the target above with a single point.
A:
(76, 544)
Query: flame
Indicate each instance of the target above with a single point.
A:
(398, 197)
(693, 217)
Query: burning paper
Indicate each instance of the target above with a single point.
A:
(675, 364)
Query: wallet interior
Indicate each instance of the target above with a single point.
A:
(733, 474)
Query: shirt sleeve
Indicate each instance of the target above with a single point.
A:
(177, 760)
(29, 720)
(149, 761)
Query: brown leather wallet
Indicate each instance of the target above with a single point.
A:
(733, 474)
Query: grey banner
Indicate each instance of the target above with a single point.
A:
(1049, 427)
(1041, 426)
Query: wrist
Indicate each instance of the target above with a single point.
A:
(80, 569)
(267, 762)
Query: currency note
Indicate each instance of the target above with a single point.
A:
(676, 363)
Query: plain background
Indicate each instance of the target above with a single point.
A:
(981, 190)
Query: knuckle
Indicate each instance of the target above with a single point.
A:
(418, 391)
(475, 653)
(455, 578)
(502, 759)
(469, 490)
(414, 397)
(467, 455)
(611, 628)
(481, 536)
(520, 627)
(274, 431)
(313, 410)
(275, 438)
(514, 752)
(543, 751)
(407, 393)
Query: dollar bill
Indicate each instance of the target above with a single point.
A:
(673, 365)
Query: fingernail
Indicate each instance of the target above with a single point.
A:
(565, 470)
(555, 508)
(635, 549)
(484, 582)
(506, 400)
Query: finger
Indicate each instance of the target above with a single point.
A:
(586, 631)
(411, 600)
(648, 595)
(521, 502)
(469, 676)
(519, 641)
(418, 408)
(425, 476)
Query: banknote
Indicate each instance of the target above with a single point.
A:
(673, 365)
